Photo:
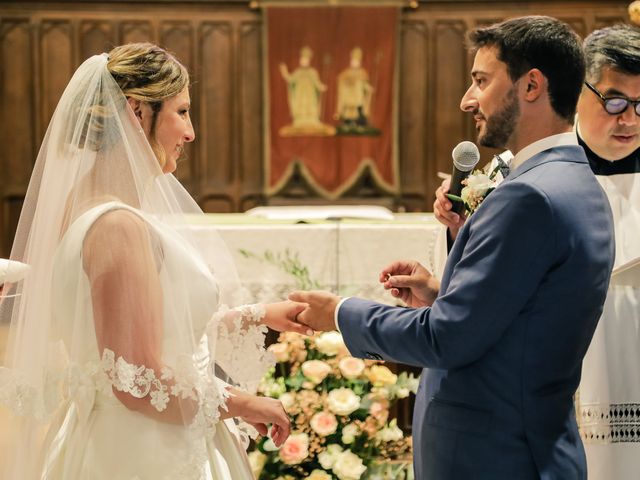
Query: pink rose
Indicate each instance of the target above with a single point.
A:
(379, 411)
(295, 449)
(324, 423)
(315, 370)
(351, 367)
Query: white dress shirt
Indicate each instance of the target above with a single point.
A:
(559, 140)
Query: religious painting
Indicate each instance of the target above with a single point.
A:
(331, 97)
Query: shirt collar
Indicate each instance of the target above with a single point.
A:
(561, 139)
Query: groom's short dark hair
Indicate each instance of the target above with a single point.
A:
(539, 42)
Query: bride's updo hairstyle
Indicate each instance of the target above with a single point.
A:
(148, 73)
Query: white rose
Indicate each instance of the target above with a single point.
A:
(343, 401)
(288, 400)
(479, 182)
(280, 351)
(257, 459)
(324, 423)
(402, 392)
(349, 433)
(315, 370)
(476, 188)
(328, 457)
(348, 466)
(330, 343)
(351, 367)
(319, 475)
(391, 433)
(380, 376)
(269, 445)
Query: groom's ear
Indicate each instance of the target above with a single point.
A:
(535, 84)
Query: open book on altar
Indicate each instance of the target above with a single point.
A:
(627, 274)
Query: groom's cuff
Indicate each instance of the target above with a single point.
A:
(335, 314)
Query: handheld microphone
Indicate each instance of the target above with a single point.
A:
(465, 156)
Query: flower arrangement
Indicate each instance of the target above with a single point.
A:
(477, 186)
(339, 407)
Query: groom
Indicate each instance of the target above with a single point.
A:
(503, 342)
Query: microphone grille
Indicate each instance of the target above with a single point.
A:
(465, 156)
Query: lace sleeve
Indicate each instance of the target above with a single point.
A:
(185, 381)
(238, 339)
(79, 383)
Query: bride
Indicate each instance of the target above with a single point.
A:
(126, 358)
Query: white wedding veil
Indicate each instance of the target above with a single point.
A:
(91, 332)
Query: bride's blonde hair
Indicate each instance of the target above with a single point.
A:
(151, 74)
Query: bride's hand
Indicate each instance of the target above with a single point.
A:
(283, 317)
(262, 411)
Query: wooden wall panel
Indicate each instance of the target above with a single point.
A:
(56, 64)
(412, 124)
(16, 123)
(136, 31)
(214, 81)
(449, 86)
(250, 106)
(96, 36)
(11, 207)
(605, 20)
(16, 104)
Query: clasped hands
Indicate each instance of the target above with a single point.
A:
(408, 281)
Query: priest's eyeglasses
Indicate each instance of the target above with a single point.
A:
(615, 105)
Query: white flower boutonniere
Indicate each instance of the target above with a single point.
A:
(478, 185)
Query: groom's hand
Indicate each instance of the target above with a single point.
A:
(320, 314)
(442, 210)
(283, 317)
(410, 282)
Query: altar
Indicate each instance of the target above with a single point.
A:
(344, 256)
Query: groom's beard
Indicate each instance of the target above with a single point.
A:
(500, 126)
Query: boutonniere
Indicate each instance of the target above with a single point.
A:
(478, 185)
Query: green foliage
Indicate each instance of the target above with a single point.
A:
(288, 262)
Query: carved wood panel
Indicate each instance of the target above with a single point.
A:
(215, 94)
(414, 98)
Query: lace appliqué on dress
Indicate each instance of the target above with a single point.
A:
(20, 397)
(604, 424)
(184, 381)
(79, 383)
(240, 347)
(240, 352)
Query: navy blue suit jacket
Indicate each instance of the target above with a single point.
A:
(502, 345)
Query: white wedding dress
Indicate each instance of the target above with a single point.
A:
(93, 435)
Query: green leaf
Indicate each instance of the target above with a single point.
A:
(454, 198)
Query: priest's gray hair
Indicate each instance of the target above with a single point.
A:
(616, 47)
